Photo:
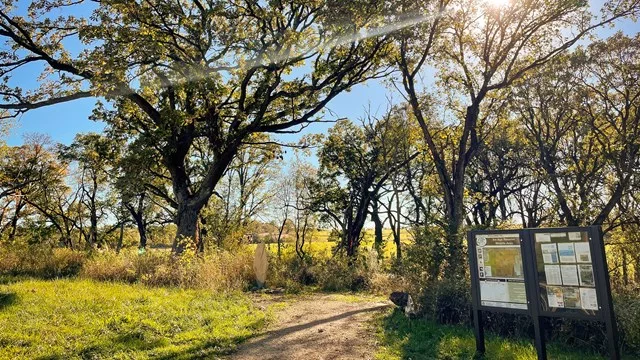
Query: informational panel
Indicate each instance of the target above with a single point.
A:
(559, 272)
(565, 272)
(500, 271)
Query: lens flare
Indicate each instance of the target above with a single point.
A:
(362, 34)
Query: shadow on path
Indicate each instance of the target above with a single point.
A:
(317, 328)
(270, 335)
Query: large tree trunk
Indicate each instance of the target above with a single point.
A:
(455, 201)
(455, 222)
(187, 222)
(355, 225)
(189, 201)
(142, 231)
(352, 243)
(138, 216)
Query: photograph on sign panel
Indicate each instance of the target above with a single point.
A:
(565, 271)
(586, 275)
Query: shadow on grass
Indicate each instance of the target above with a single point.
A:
(7, 299)
(422, 339)
(9, 279)
(138, 344)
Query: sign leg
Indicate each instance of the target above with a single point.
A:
(612, 336)
(479, 331)
(541, 346)
(612, 340)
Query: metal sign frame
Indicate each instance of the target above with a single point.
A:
(532, 287)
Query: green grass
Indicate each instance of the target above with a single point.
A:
(81, 319)
(401, 338)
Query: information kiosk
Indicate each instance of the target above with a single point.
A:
(559, 272)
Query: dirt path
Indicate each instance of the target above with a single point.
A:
(318, 327)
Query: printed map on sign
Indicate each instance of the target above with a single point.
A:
(500, 270)
(503, 262)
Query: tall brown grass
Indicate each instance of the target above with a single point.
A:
(39, 261)
(216, 270)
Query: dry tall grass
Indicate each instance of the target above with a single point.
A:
(215, 270)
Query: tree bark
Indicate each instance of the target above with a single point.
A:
(142, 232)
(120, 238)
(16, 216)
(377, 222)
(280, 231)
(187, 223)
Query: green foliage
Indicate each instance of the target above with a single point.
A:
(342, 273)
(403, 338)
(449, 302)
(425, 258)
(627, 309)
(83, 319)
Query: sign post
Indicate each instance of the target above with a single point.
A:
(560, 272)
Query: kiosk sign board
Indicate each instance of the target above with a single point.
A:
(558, 272)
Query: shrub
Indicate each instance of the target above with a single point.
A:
(446, 301)
(627, 309)
(290, 271)
(340, 273)
(327, 272)
(384, 283)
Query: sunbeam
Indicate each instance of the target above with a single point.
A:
(327, 45)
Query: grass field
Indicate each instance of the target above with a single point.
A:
(81, 319)
(319, 243)
(401, 338)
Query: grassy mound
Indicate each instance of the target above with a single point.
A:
(73, 319)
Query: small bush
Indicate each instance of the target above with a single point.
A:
(340, 273)
(384, 283)
(327, 272)
(446, 301)
(627, 310)
(290, 271)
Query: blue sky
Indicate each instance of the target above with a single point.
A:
(62, 122)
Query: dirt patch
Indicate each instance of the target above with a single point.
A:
(317, 327)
